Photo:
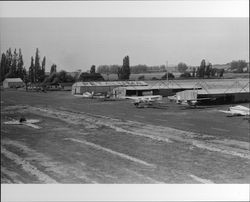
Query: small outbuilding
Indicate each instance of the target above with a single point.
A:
(13, 83)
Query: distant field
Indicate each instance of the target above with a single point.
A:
(236, 75)
(148, 76)
(158, 75)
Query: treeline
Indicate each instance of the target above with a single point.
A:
(136, 69)
(238, 66)
(58, 77)
(12, 65)
(205, 70)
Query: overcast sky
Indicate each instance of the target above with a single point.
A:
(78, 43)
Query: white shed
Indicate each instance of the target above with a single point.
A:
(13, 83)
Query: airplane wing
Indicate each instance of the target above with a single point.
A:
(12, 123)
(32, 121)
(232, 113)
(31, 125)
(227, 112)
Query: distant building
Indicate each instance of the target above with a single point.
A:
(13, 83)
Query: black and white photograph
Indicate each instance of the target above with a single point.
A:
(124, 99)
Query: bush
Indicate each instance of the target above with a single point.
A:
(185, 75)
(90, 77)
(168, 75)
(142, 77)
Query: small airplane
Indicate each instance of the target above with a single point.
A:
(23, 121)
(238, 110)
(86, 95)
(188, 102)
(145, 101)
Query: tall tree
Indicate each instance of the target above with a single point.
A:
(37, 66)
(32, 71)
(3, 66)
(201, 70)
(53, 69)
(208, 70)
(92, 69)
(124, 71)
(20, 68)
(13, 67)
(8, 61)
(41, 71)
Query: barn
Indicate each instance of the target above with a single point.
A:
(13, 83)
(102, 86)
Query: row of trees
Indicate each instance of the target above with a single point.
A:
(123, 72)
(37, 70)
(92, 76)
(137, 69)
(238, 66)
(203, 71)
(12, 65)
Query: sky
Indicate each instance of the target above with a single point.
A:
(78, 43)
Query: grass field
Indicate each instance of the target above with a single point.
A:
(91, 141)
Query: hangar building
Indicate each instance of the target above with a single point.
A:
(102, 86)
(13, 83)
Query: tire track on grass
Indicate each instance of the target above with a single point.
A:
(27, 167)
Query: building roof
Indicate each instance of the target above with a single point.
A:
(157, 87)
(111, 83)
(13, 80)
(224, 91)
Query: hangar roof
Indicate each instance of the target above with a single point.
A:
(13, 80)
(111, 83)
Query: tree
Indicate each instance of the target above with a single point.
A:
(124, 71)
(8, 62)
(142, 77)
(20, 68)
(182, 67)
(185, 75)
(3, 66)
(42, 74)
(167, 76)
(62, 76)
(32, 71)
(221, 72)
(201, 70)
(90, 77)
(53, 69)
(238, 66)
(13, 67)
(26, 81)
(208, 70)
(92, 69)
(213, 72)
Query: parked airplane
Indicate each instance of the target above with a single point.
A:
(23, 121)
(145, 101)
(85, 95)
(238, 110)
(189, 102)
